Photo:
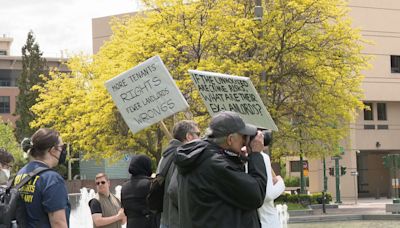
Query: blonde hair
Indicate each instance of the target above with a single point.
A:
(100, 175)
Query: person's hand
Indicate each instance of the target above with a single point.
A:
(276, 179)
(257, 144)
(244, 151)
(121, 214)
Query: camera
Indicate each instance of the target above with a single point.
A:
(267, 137)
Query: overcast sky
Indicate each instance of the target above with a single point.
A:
(57, 24)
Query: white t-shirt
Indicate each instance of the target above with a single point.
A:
(267, 212)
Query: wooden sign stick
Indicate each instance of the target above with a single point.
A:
(165, 130)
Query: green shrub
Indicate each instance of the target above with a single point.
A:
(303, 199)
(293, 199)
(292, 181)
(282, 198)
(295, 181)
(316, 198)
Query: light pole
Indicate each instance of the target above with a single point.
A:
(325, 186)
(302, 187)
(70, 161)
(337, 176)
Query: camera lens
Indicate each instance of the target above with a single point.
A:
(267, 137)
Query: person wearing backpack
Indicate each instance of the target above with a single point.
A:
(184, 131)
(45, 196)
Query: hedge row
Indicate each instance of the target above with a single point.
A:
(295, 181)
(304, 199)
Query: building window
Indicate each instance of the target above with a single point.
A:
(4, 104)
(3, 52)
(5, 83)
(368, 112)
(381, 107)
(395, 63)
(295, 165)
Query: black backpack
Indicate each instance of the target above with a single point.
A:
(155, 197)
(10, 200)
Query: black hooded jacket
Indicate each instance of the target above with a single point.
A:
(214, 190)
(134, 193)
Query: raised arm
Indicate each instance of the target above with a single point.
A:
(244, 190)
(273, 191)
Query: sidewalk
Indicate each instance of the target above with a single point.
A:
(365, 209)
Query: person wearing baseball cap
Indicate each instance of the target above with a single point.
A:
(214, 190)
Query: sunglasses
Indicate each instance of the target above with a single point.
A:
(100, 182)
(63, 148)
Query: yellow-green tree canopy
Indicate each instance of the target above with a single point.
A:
(9, 143)
(303, 56)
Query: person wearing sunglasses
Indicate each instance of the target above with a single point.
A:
(45, 196)
(6, 160)
(105, 207)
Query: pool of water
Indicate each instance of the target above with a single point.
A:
(350, 224)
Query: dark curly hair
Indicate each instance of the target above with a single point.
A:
(5, 156)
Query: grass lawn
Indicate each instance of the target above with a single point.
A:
(295, 206)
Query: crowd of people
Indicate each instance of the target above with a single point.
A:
(223, 179)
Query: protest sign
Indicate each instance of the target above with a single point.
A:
(146, 94)
(232, 93)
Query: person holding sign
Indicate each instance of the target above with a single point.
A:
(214, 190)
(184, 131)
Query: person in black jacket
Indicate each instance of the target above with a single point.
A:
(214, 191)
(183, 131)
(134, 193)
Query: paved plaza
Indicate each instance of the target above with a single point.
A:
(368, 212)
(350, 224)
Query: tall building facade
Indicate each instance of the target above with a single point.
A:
(376, 131)
(10, 70)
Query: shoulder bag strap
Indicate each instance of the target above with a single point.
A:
(35, 172)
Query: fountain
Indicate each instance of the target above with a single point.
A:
(283, 214)
(80, 215)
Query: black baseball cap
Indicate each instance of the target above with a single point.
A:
(227, 122)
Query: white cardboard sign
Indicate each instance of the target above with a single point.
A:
(232, 93)
(146, 94)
